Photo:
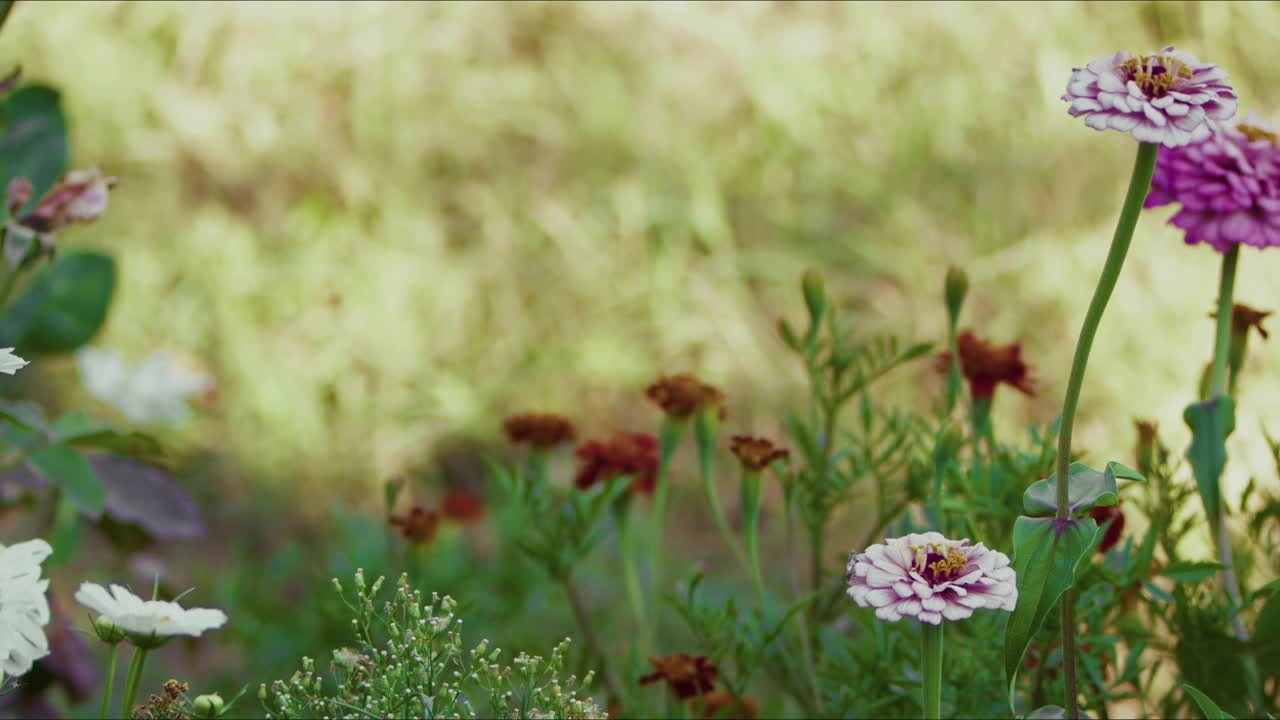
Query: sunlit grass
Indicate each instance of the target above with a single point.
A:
(380, 224)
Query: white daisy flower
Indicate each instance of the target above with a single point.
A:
(155, 620)
(10, 363)
(154, 391)
(24, 609)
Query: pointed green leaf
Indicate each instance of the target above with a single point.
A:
(64, 306)
(1211, 422)
(1086, 489)
(34, 142)
(67, 470)
(1192, 572)
(1208, 707)
(1123, 472)
(1047, 555)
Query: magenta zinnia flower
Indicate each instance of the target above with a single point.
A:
(1228, 186)
(929, 577)
(1164, 98)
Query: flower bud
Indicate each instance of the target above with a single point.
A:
(815, 294)
(788, 335)
(107, 631)
(956, 288)
(207, 706)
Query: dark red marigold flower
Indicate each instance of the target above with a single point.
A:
(620, 453)
(541, 430)
(462, 506)
(756, 453)
(1111, 536)
(985, 365)
(686, 675)
(721, 705)
(682, 395)
(419, 525)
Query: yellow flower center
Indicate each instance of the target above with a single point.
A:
(1155, 74)
(1255, 133)
(938, 562)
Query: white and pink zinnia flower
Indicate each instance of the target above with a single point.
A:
(1165, 97)
(928, 577)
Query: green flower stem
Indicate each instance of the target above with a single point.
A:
(133, 681)
(626, 548)
(1222, 340)
(931, 656)
(751, 526)
(705, 431)
(1139, 183)
(589, 636)
(1217, 387)
(668, 441)
(111, 680)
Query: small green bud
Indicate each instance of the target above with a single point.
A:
(957, 287)
(207, 706)
(108, 632)
(788, 334)
(262, 692)
(815, 294)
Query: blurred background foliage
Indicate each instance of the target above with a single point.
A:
(383, 226)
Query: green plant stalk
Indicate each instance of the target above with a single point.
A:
(704, 427)
(111, 680)
(1139, 183)
(1222, 539)
(953, 371)
(626, 548)
(751, 526)
(589, 636)
(931, 656)
(133, 681)
(668, 441)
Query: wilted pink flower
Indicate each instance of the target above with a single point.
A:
(80, 196)
(1164, 98)
(928, 577)
(1228, 186)
(17, 194)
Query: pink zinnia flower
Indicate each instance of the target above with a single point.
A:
(1228, 186)
(928, 577)
(1164, 98)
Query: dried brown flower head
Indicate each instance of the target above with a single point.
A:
(419, 525)
(756, 453)
(620, 453)
(1244, 317)
(462, 506)
(686, 675)
(541, 430)
(683, 394)
(985, 365)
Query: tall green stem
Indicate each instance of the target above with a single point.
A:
(1139, 183)
(1217, 388)
(751, 526)
(133, 681)
(589, 636)
(931, 656)
(111, 680)
(668, 441)
(1222, 338)
(626, 548)
(705, 430)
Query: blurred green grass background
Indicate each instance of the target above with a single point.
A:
(380, 225)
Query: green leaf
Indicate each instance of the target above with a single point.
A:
(76, 429)
(1047, 554)
(1211, 422)
(1208, 707)
(34, 142)
(1086, 489)
(67, 470)
(67, 532)
(1192, 572)
(64, 306)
